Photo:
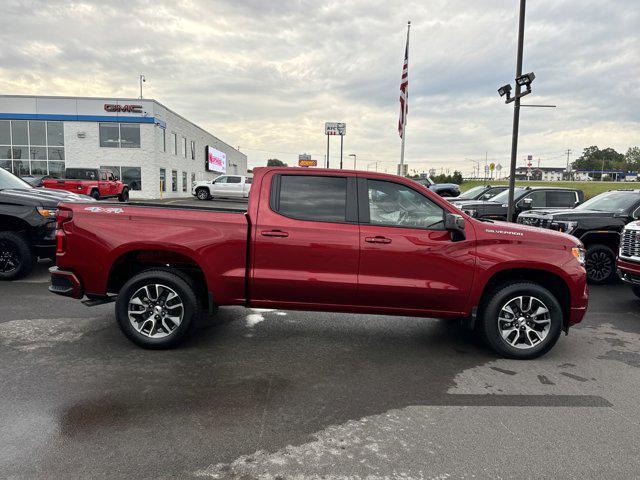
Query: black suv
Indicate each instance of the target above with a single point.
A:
(597, 223)
(481, 192)
(525, 198)
(27, 224)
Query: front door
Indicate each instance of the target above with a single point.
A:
(305, 241)
(103, 185)
(218, 186)
(234, 186)
(408, 261)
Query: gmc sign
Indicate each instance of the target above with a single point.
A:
(112, 107)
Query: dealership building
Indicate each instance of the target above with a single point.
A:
(151, 148)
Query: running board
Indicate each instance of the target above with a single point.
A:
(92, 302)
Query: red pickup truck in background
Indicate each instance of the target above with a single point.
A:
(325, 240)
(95, 182)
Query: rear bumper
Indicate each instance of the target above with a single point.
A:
(65, 283)
(629, 272)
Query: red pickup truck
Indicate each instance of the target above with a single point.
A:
(95, 182)
(326, 240)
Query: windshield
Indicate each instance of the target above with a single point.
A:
(610, 202)
(9, 180)
(472, 193)
(503, 197)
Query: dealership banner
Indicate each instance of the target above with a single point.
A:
(216, 160)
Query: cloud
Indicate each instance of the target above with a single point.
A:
(267, 75)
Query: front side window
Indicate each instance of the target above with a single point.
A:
(307, 197)
(396, 205)
(234, 180)
(222, 179)
(112, 169)
(539, 198)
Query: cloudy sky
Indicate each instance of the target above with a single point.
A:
(265, 75)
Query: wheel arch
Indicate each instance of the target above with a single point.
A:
(9, 223)
(130, 263)
(607, 238)
(549, 280)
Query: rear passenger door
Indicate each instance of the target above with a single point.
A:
(305, 241)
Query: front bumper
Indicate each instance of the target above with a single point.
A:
(629, 272)
(65, 283)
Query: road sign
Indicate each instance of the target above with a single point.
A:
(335, 128)
(498, 167)
(492, 166)
(304, 156)
(303, 162)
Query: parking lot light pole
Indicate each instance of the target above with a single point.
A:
(354, 159)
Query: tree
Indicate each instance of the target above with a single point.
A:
(632, 159)
(593, 158)
(274, 162)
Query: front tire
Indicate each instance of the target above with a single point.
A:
(521, 321)
(16, 259)
(202, 194)
(600, 263)
(157, 309)
(124, 196)
(95, 194)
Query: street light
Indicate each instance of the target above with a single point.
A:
(143, 79)
(354, 159)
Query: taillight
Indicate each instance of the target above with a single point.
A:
(62, 216)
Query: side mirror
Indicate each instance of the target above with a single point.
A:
(455, 224)
(526, 204)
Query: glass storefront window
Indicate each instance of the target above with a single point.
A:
(56, 169)
(130, 135)
(163, 180)
(38, 153)
(174, 180)
(5, 132)
(37, 133)
(109, 135)
(19, 135)
(20, 153)
(55, 134)
(184, 181)
(38, 168)
(132, 176)
(56, 153)
(6, 164)
(21, 168)
(5, 152)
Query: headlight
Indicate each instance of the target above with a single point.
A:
(565, 227)
(47, 212)
(578, 253)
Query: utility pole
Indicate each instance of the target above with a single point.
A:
(516, 114)
(568, 152)
(341, 139)
(327, 151)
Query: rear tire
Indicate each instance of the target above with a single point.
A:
(202, 194)
(16, 259)
(124, 196)
(157, 309)
(600, 263)
(521, 329)
(636, 290)
(95, 194)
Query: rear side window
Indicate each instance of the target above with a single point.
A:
(561, 199)
(234, 179)
(306, 197)
(81, 174)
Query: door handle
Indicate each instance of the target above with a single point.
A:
(377, 239)
(274, 233)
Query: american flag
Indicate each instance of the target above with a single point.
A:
(404, 92)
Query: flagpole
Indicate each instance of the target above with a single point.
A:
(406, 104)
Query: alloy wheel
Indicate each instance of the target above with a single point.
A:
(155, 310)
(599, 266)
(9, 257)
(524, 322)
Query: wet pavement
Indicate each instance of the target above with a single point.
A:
(274, 394)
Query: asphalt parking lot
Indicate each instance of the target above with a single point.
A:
(275, 394)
